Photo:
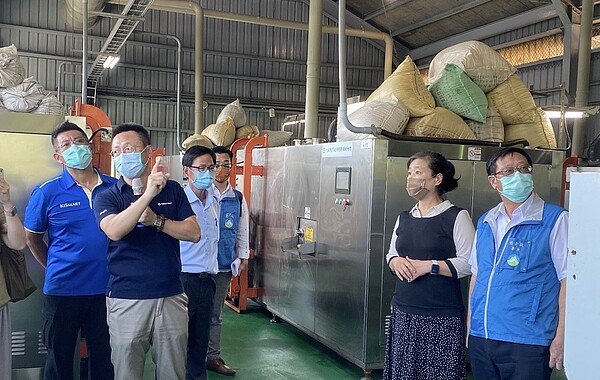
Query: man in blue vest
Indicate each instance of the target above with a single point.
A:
(233, 250)
(519, 264)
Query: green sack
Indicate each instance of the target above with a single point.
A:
(458, 93)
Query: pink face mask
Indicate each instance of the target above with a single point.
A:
(415, 187)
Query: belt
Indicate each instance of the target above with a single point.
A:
(198, 275)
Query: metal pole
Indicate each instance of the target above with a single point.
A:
(84, 62)
(178, 109)
(583, 74)
(313, 68)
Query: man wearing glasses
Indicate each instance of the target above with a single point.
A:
(517, 292)
(199, 261)
(146, 305)
(233, 250)
(74, 258)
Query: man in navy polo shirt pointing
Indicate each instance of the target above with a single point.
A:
(146, 305)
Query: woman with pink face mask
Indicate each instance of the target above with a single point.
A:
(429, 253)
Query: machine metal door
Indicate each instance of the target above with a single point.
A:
(27, 161)
(346, 193)
(297, 271)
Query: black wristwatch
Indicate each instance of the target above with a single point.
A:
(435, 267)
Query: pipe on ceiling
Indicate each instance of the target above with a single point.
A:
(195, 9)
(583, 74)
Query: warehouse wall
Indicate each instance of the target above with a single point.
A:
(265, 67)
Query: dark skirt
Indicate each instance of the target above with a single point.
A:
(421, 347)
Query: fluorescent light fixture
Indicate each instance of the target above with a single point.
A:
(568, 114)
(111, 61)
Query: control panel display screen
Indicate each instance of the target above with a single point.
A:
(343, 176)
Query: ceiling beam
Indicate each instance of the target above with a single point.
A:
(449, 13)
(385, 8)
(330, 9)
(505, 25)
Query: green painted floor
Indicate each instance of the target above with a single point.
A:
(261, 350)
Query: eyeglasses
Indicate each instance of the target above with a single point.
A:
(128, 149)
(68, 143)
(203, 168)
(507, 172)
(226, 165)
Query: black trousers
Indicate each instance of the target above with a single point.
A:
(64, 317)
(200, 290)
(497, 360)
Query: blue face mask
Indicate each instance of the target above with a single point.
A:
(130, 165)
(517, 187)
(203, 180)
(77, 156)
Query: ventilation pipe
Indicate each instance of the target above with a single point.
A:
(343, 109)
(583, 74)
(74, 12)
(313, 68)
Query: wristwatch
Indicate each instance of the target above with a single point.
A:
(159, 222)
(12, 211)
(435, 267)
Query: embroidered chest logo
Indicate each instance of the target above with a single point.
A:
(70, 204)
(516, 247)
(228, 220)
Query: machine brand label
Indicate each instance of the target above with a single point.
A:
(337, 150)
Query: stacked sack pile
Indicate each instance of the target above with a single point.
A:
(230, 126)
(474, 93)
(20, 94)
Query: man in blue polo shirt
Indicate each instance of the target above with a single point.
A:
(199, 261)
(145, 302)
(74, 258)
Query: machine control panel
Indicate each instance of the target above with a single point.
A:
(342, 202)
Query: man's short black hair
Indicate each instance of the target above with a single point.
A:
(490, 165)
(126, 127)
(196, 151)
(223, 150)
(64, 127)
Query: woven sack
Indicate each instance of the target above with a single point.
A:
(222, 133)
(197, 139)
(441, 123)
(277, 138)
(50, 106)
(246, 132)
(407, 86)
(12, 71)
(388, 114)
(24, 97)
(458, 93)
(539, 134)
(513, 101)
(235, 111)
(480, 62)
(492, 130)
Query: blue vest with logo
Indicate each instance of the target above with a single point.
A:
(515, 298)
(231, 210)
